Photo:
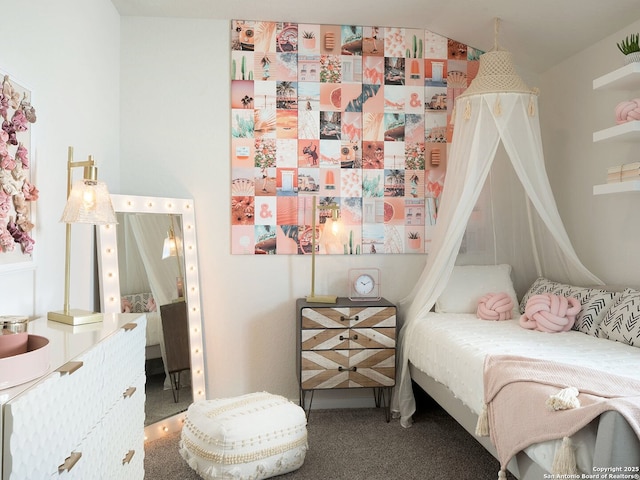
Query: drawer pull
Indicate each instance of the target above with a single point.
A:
(129, 326)
(355, 337)
(69, 462)
(69, 368)
(344, 319)
(350, 369)
(129, 392)
(127, 458)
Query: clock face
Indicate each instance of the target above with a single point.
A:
(364, 284)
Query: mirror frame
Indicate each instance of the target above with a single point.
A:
(110, 286)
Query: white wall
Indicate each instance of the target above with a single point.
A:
(604, 229)
(176, 142)
(67, 53)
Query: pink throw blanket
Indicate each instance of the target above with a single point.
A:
(517, 388)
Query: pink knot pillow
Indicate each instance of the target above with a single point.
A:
(551, 313)
(125, 305)
(151, 305)
(628, 111)
(495, 306)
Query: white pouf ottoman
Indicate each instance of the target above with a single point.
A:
(252, 436)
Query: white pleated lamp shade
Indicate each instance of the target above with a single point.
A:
(89, 202)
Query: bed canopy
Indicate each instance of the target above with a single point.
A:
(497, 205)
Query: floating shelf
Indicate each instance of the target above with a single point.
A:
(624, 131)
(624, 78)
(619, 187)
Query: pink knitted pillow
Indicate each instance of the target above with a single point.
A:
(551, 313)
(495, 306)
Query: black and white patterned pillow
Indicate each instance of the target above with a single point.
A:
(138, 302)
(595, 305)
(595, 302)
(622, 321)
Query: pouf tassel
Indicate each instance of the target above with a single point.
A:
(564, 462)
(482, 427)
(502, 475)
(565, 399)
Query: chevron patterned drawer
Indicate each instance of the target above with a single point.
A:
(348, 368)
(349, 316)
(338, 338)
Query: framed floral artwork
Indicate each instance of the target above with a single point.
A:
(17, 190)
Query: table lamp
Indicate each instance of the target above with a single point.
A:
(334, 225)
(87, 202)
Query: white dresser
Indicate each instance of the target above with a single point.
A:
(85, 418)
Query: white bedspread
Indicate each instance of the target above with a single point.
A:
(451, 348)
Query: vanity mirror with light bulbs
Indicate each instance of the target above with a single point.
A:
(148, 263)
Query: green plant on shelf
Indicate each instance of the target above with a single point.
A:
(308, 35)
(630, 44)
(414, 235)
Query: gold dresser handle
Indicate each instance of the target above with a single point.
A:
(129, 326)
(127, 458)
(129, 392)
(69, 368)
(69, 462)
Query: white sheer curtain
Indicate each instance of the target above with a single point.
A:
(494, 199)
(149, 232)
(133, 276)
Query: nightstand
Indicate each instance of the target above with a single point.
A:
(348, 344)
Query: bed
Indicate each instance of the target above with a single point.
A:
(448, 347)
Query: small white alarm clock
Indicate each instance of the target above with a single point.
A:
(364, 284)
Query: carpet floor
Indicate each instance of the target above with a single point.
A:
(358, 444)
(159, 402)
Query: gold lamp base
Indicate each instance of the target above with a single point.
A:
(75, 317)
(322, 299)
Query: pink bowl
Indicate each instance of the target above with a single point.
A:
(27, 366)
(13, 344)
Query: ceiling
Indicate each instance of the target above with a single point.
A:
(539, 33)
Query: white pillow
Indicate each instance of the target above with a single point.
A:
(469, 283)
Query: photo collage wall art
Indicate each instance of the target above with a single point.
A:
(354, 116)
